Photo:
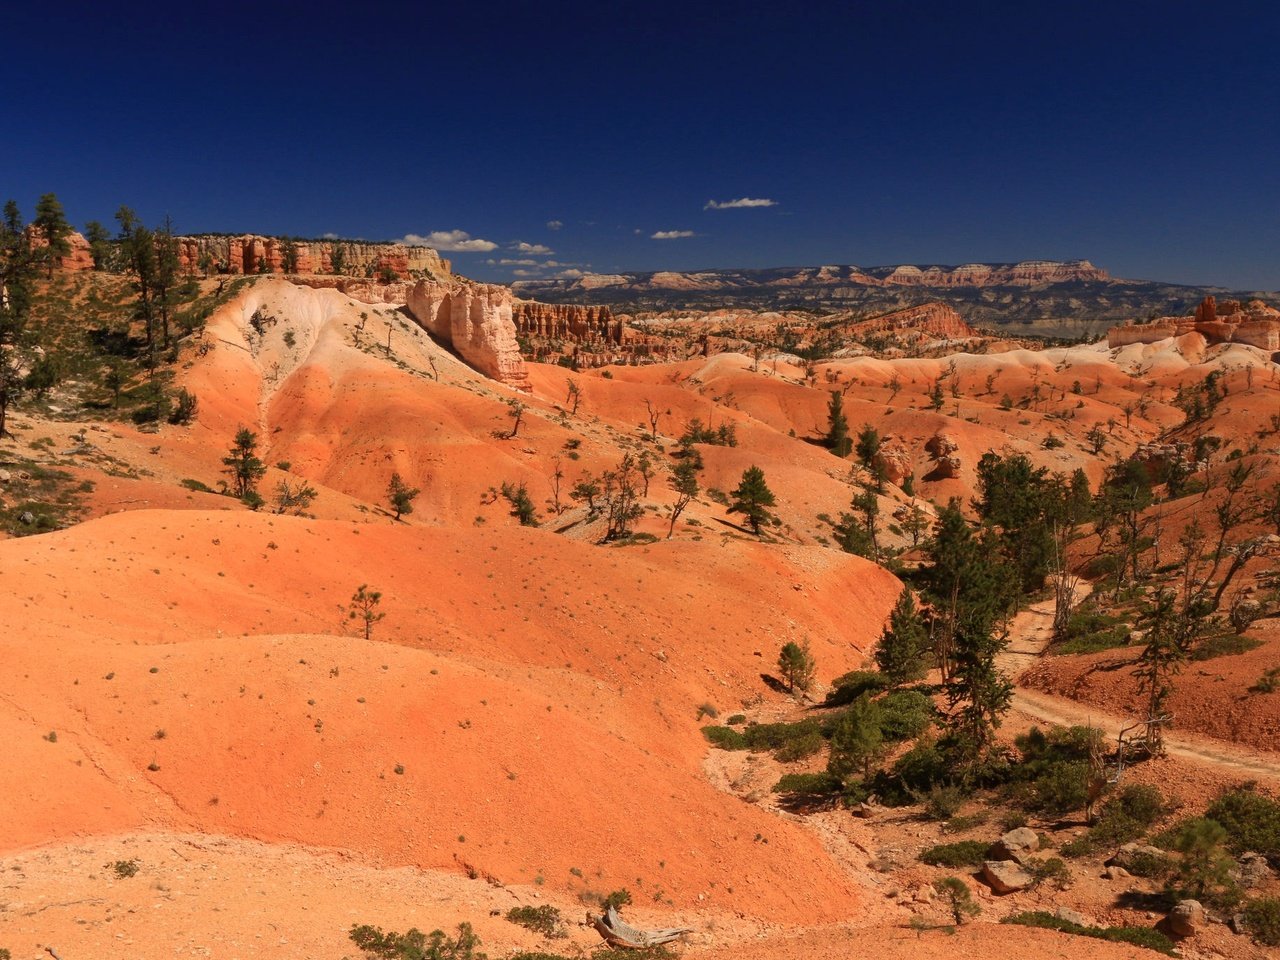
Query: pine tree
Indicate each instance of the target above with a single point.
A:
(100, 248)
(797, 666)
(17, 271)
(752, 498)
(364, 608)
(401, 495)
(166, 274)
(904, 644)
(51, 224)
(243, 465)
(857, 740)
(684, 481)
(838, 441)
(137, 247)
(868, 445)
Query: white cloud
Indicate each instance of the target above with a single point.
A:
(451, 241)
(508, 262)
(537, 248)
(672, 235)
(554, 224)
(740, 203)
(329, 236)
(571, 274)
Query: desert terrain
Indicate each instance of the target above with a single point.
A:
(213, 748)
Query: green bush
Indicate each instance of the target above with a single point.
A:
(545, 920)
(1226, 645)
(965, 853)
(1137, 936)
(1051, 871)
(914, 774)
(848, 687)
(800, 746)
(725, 738)
(1262, 920)
(1053, 777)
(809, 784)
(415, 945)
(1090, 630)
(124, 869)
(737, 719)
(904, 715)
(943, 801)
(1252, 821)
(962, 824)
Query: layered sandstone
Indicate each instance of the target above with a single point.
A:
(569, 322)
(935, 319)
(250, 253)
(77, 259)
(1253, 323)
(475, 319)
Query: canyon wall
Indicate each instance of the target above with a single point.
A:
(570, 322)
(78, 258)
(475, 319)
(257, 254)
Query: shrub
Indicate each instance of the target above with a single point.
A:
(737, 719)
(1251, 820)
(185, 407)
(848, 687)
(1126, 816)
(1269, 682)
(124, 869)
(1137, 936)
(545, 920)
(1205, 871)
(1262, 920)
(957, 897)
(943, 801)
(1051, 871)
(1226, 645)
(415, 945)
(961, 824)
(904, 714)
(808, 785)
(618, 899)
(1053, 777)
(965, 853)
(800, 747)
(725, 738)
(1089, 630)
(914, 773)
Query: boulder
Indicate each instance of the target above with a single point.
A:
(1254, 870)
(1072, 916)
(1136, 853)
(1116, 873)
(1005, 876)
(1016, 845)
(1186, 918)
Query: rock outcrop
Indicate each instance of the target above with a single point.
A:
(475, 319)
(1016, 845)
(77, 259)
(250, 253)
(936, 320)
(1253, 323)
(946, 462)
(568, 322)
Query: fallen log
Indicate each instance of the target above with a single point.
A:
(619, 934)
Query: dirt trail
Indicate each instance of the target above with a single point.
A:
(1029, 635)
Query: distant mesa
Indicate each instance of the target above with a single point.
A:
(1022, 274)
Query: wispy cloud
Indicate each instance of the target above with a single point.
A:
(571, 274)
(329, 236)
(554, 224)
(740, 203)
(672, 235)
(535, 248)
(451, 241)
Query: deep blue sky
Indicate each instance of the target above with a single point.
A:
(1144, 136)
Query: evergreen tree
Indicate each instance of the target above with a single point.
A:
(166, 274)
(797, 666)
(243, 465)
(859, 532)
(100, 248)
(857, 740)
(401, 495)
(904, 644)
(137, 247)
(17, 271)
(289, 255)
(868, 445)
(752, 498)
(51, 224)
(838, 441)
(684, 481)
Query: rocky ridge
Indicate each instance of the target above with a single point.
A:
(1253, 323)
(250, 253)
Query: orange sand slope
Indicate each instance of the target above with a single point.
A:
(540, 705)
